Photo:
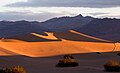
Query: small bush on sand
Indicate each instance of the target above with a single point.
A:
(68, 61)
(118, 54)
(98, 52)
(16, 69)
(112, 66)
(1, 70)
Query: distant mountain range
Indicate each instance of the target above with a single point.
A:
(66, 23)
(8, 29)
(105, 28)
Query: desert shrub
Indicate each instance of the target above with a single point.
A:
(68, 56)
(118, 54)
(16, 69)
(112, 66)
(68, 61)
(1, 70)
(98, 52)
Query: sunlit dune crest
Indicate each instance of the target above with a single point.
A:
(89, 36)
(49, 36)
(10, 40)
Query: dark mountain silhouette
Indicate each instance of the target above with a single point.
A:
(4, 24)
(66, 23)
(20, 28)
(106, 28)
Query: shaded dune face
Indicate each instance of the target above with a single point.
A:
(76, 36)
(5, 52)
(33, 37)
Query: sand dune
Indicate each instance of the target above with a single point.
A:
(72, 42)
(42, 49)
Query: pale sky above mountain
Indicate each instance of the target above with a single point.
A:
(40, 10)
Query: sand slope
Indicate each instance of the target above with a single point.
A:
(5, 52)
(56, 48)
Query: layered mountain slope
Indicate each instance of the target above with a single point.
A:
(103, 28)
(20, 28)
(9, 29)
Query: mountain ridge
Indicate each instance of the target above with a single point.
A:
(102, 28)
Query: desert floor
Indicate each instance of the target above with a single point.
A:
(88, 63)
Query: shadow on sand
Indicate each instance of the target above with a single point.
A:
(79, 37)
(92, 61)
(59, 35)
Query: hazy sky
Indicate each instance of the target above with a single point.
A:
(41, 10)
